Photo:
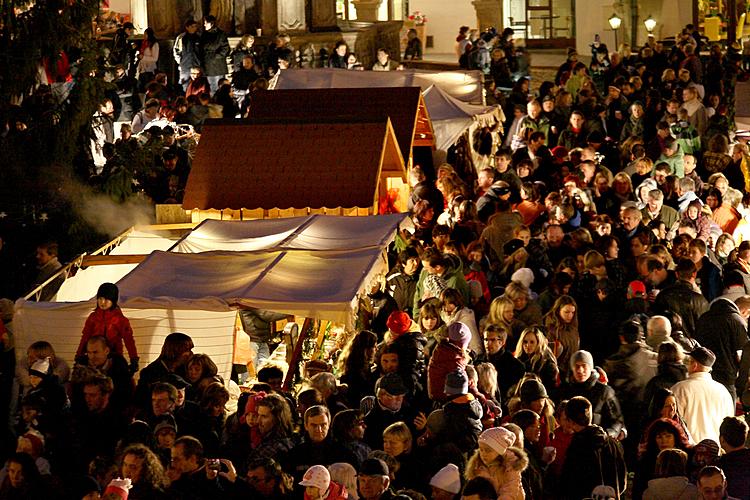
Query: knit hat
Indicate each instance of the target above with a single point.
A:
(456, 382)
(109, 291)
(251, 405)
(398, 322)
(37, 442)
(373, 467)
(459, 334)
(581, 356)
(531, 390)
(636, 289)
(40, 367)
(119, 487)
(525, 276)
(165, 422)
(498, 438)
(434, 285)
(392, 383)
(318, 477)
(447, 479)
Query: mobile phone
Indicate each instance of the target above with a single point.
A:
(213, 464)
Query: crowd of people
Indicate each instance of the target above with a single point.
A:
(568, 318)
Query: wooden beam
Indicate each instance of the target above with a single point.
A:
(297, 356)
(107, 260)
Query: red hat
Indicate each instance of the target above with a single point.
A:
(636, 289)
(119, 487)
(251, 405)
(398, 322)
(559, 152)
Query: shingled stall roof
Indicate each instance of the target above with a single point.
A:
(403, 105)
(272, 164)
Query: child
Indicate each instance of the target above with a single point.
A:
(449, 355)
(318, 485)
(108, 320)
(501, 463)
(695, 218)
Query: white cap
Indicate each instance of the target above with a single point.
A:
(317, 476)
(447, 479)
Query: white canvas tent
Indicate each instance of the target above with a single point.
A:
(463, 85)
(452, 117)
(307, 266)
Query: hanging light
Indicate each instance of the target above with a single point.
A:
(614, 22)
(650, 24)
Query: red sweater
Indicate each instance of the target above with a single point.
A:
(114, 326)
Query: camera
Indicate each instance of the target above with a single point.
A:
(213, 464)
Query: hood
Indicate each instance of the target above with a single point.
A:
(724, 306)
(465, 404)
(455, 265)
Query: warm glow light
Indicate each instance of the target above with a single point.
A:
(650, 23)
(614, 22)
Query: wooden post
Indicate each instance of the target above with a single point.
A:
(731, 21)
(297, 356)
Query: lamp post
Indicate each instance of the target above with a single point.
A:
(650, 24)
(614, 23)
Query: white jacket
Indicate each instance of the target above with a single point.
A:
(703, 404)
(149, 59)
(670, 488)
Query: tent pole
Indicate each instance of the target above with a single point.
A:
(297, 356)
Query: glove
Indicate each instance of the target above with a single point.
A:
(82, 359)
(133, 365)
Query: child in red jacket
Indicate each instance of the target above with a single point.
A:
(108, 321)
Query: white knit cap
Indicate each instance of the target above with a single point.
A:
(318, 477)
(525, 276)
(498, 438)
(447, 479)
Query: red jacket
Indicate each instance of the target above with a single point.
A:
(113, 325)
(445, 359)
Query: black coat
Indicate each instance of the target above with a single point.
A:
(215, 48)
(582, 471)
(682, 299)
(605, 406)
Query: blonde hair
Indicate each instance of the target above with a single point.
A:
(541, 348)
(592, 259)
(498, 308)
(486, 378)
(401, 431)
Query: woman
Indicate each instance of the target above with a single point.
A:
(635, 125)
(670, 370)
(533, 351)
(148, 56)
(211, 418)
(145, 471)
(355, 366)
(431, 324)
(662, 434)
(527, 312)
(663, 404)
(23, 481)
(348, 431)
(502, 314)
(487, 387)
(398, 443)
(561, 324)
(199, 367)
(724, 247)
(670, 478)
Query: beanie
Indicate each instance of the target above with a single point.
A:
(318, 477)
(250, 406)
(109, 291)
(581, 356)
(40, 367)
(498, 438)
(456, 382)
(459, 334)
(531, 390)
(447, 479)
(119, 487)
(398, 322)
(525, 276)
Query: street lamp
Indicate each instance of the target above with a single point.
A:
(650, 24)
(614, 23)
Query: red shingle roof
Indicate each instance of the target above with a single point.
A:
(284, 164)
(403, 105)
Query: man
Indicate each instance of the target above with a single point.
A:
(215, 48)
(186, 51)
(99, 427)
(703, 402)
(509, 368)
(736, 459)
(556, 248)
(686, 193)
(122, 49)
(672, 155)
(708, 274)
(658, 331)
(267, 480)
(374, 481)
(316, 447)
(402, 280)
(574, 136)
(712, 484)
(100, 360)
(256, 323)
(535, 120)
(390, 406)
(48, 266)
(632, 224)
(656, 210)
(384, 62)
(192, 479)
(605, 407)
(690, 165)
(593, 458)
(682, 297)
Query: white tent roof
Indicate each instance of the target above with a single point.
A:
(314, 232)
(84, 284)
(452, 117)
(463, 85)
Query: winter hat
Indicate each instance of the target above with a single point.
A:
(109, 291)
(498, 438)
(459, 334)
(373, 467)
(165, 422)
(581, 356)
(434, 285)
(318, 477)
(40, 367)
(392, 383)
(37, 442)
(525, 276)
(456, 382)
(636, 289)
(398, 322)
(251, 405)
(119, 487)
(531, 390)
(447, 479)
(703, 356)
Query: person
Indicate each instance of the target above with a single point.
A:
(23, 479)
(509, 369)
(148, 56)
(175, 353)
(704, 402)
(446, 483)
(712, 484)
(186, 51)
(682, 297)
(257, 325)
(384, 62)
(450, 354)
(670, 478)
(48, 266)
(599, 459)
(355, 366)
(534, 352)
(499, 461)
(108, 321)
(561, 324)
(374, 481)
(338, 56)
(145, 471)
(214, 48)
(190, 475)
(479, 488)
(735, 462)
(413, 49)
(662, 434)
(401, 281)
(122, 51)
(319, 485)
(390, 406)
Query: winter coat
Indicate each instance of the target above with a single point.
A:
(186, 51)
(401, 286)
(736, 465)
(462, 417)
(453, 277)
(593, 458)
(723, 330)
(667, 375)
(605, 406)
(257, 323)
(682, 298)
(670, 488)
(704, 403)
(629, 370)
(306, 454)
(446, 358)
(215, 48)
(504, 475)
(466, 316)
(114, 326)
(509, 369)
(545, 367)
